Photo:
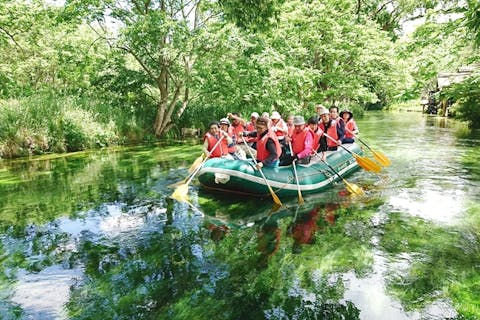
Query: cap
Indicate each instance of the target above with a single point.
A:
(275, 115)
(298, 120)
(224, 121)
(254, 115)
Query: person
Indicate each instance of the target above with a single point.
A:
(316, 132)
(351, 128)
(290, 125)
(338, 120)
(251, 127)
(238, 123)
(278, 126)
(235, 152)
(268, 147)
(328, 126)
(213, 135)
(301, 140)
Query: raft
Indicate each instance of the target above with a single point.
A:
(241, 177)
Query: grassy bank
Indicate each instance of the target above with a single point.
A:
(47, 123)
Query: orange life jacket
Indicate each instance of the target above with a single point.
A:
(281, 128)
(298, 140)
(220, 150)
(350, 126)
(250, 127)
(332, 132)
(316, 139)
(262, 152)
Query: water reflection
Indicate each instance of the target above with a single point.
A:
(99, 230)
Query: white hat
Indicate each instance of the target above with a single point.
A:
(322, 110)
(254, 115)
(275, 115)
(224, 121)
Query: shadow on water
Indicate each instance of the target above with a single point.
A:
(95, 235)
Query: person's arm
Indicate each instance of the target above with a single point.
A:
(340, 129)
(242, 122)
(307, 150)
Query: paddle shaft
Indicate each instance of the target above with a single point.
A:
(203, 162)
(363, 162)
(357, 137)
(300, 198)
(274, 196)
(353, 188)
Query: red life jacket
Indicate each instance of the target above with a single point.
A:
(220, 150)
(231, 134)
(290, 130)
(332, 132)
(250, 128)
(298, 140)
(236, 130)
(350, 126)
(316, 139)
(262, 152)
(281, 128)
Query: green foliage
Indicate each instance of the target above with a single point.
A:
(467, 100)
(472, 20)
(47, 123)
(256, 15)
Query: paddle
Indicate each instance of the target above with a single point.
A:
(379, 156)
(300, 198)
(180, 193)
(196, 163)
(351, 187)
(274, 196)
(363, 162)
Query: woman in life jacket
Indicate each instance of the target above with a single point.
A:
(332, 129)
(351, 128)
(268, 147)
(211, 138)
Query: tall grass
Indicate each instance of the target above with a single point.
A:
(49, 123)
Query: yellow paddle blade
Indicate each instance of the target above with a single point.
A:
(381, 158)
(353, 188)
(181, 193)
(300, 198)
(276, 199)
(367, 164)
(196, 163)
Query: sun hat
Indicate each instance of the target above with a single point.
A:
(298, 120)
(224, 121)
(322, 110)
(254, 115)
(346, 111)
(275, 115)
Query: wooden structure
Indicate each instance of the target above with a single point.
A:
(431, 103)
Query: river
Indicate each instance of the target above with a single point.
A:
(94, 235)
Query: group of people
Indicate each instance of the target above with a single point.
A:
(273, 141)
